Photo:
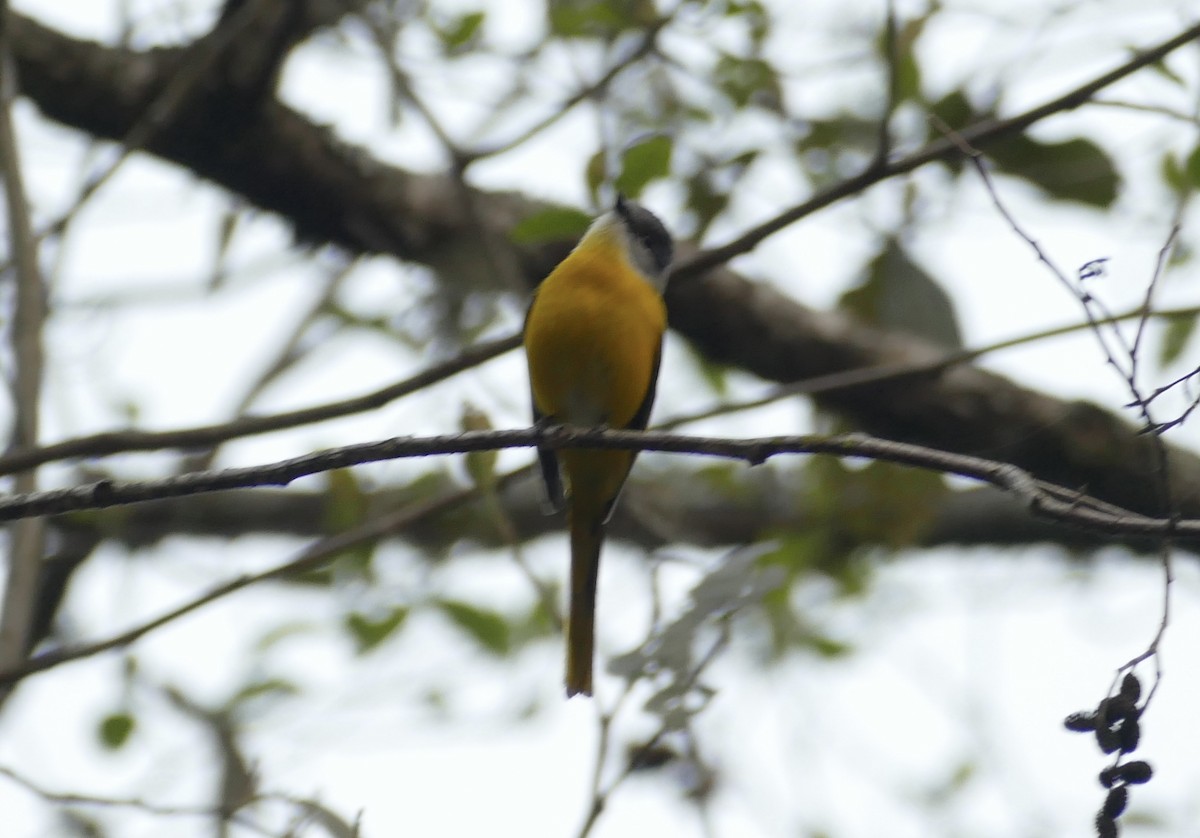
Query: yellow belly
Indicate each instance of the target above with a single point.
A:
(592, 340)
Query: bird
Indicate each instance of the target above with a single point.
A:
(593, 342)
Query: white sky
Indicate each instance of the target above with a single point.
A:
(962, 655)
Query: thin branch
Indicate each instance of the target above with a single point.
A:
(883, 148)
(599, 86)
(69, 799)
(120, 442)
(311, 558)
(116, 442)
(1042, 498)
(977, 135)
(1165, 503)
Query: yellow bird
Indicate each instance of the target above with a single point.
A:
(593, 340)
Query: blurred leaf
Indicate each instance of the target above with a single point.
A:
(954, 109)
(115, 730)
(890, 505)
(283, 632)
(710, 187)
(840, 134)
(878, 505)
(1072, 170)
(754, 14)
(907, 70)
(898, 294)
(551, 225)
(1192, 168)
(643, 162)
(598, 18)
(488, 628)
(74, 824)
(749, 81)
(346, 506)
(705, 201)
(481, 465)
(1175, 339)
(369, 633)
(461, 32)
(333, 824)
(1172, 173)
(595, 173)
(265, 688)
(346, 503)
(826, 646)
(1160, 67)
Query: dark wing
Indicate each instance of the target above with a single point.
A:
(548, 460)
(551, 476)
(640, 419)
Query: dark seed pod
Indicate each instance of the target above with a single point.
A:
(1129, 735)
(1131, 687)
(1081, 722)
(1110, 776)
(1135, 772)
(1119, 709)
(1114, 803)
(1107, 738)
(1106, 827)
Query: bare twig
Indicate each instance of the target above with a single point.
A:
(977, 135)
(1128, 367)
(70, 799)
(311, 558)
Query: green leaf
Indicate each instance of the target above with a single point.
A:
(705, 201)
(644, 162)
(1173, 173)
(369, 633)
(345, 508)
(754, 14)
(488, 628)
(748, 81)
(898, 294)
(461, 32)
(840, 134)
(1175, 339)
(264, 688)
(481, 465)
(598, 18)
(346, 503)
(115, 730)
(1073, 170)
(907, 71)
(954, 109)
(1166, 72)
(550, 225)
(1192, 168)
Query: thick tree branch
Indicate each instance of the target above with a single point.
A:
(333, 193)
(29, 315)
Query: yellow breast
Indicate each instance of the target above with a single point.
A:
(592, 338)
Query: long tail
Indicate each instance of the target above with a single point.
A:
(587, 534)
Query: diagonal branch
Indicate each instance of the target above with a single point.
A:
(98, 445)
